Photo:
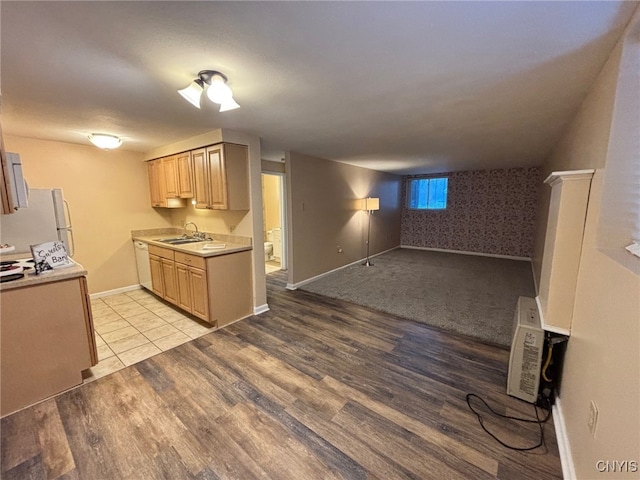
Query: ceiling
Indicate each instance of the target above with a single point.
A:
(411, 87)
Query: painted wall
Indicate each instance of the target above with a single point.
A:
(108, 193)
(488, 211)
(271, 195)
(602, 362)
(323, 202)
(225, 222)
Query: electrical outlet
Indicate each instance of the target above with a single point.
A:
(592, 422)
(340, 249)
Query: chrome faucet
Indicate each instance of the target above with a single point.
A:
(197, 234)
(190, 223)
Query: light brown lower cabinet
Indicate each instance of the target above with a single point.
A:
(46, 341)
(169, 280)
(192, 290)
(157, 285)
(215, 289)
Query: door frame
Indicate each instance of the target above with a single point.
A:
(284, 227)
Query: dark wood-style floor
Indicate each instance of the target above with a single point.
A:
(313, 389)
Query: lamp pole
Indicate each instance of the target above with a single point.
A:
(368, 262)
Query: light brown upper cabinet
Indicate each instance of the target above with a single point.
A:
(6, 199)
(178, 175)
(170, 176)
(185, 174)
(164, 183)
(157, 183)
(221, 177)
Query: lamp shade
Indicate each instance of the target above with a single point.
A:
(104, 140)
(230, 104)
(192, 93)
(372, 203)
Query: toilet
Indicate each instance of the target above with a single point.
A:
(273, 245)
(268, 251)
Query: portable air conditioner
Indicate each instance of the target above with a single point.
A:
(525, 358)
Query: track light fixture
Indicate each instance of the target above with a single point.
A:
(217, 90)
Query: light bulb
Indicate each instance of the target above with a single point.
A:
(219, 92)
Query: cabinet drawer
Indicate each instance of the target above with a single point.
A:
(191, 260)
(161, 252)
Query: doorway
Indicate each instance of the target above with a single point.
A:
(273, 219)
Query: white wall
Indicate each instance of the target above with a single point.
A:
(324, 202)
(602, 362)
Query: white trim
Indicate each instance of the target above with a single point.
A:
(545, 326)
(555, 177)
(260, 309)
(294, 286)
(462, 252)
(115, 291)
(535, 283)
(562, 439)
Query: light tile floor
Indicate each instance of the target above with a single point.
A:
(136, 325)
(272, 266)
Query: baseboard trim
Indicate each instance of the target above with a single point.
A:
(115, 291)
(564, 447)
(463, 252)
(261, 309)
(295, 286)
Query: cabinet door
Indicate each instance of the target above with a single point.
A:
(169, 281)
(43, 346)
(156, 275)
(184, 287)
(218, 177)
(199, 293)
(185, 175)
(170, 171)
(200, 178)
(5, 187)
(156, 183)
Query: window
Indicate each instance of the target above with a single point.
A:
(427, 193)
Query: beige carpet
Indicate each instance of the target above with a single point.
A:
(470, 295)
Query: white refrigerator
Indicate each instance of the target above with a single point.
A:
(46, 219)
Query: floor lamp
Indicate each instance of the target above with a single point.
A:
(370, 204)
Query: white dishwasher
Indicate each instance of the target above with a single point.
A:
(142, 262)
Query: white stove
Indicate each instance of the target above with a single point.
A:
(15, 269)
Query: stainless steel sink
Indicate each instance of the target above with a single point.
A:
(180, 240)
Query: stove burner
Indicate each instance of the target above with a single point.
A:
(13, 276)
(8, 262)
(6, 268)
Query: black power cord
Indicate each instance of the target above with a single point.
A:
(539, 422)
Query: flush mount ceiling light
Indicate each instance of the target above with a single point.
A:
(217, 90)
(104, 140)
